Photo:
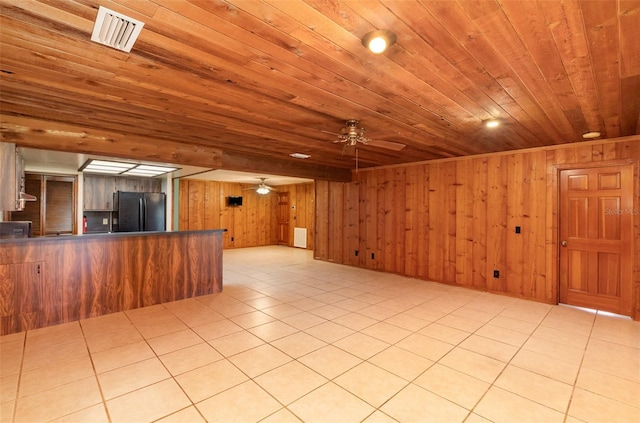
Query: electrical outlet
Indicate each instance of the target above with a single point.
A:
(357, 253)
(496, 274)
(518, 230)
(105, 221)
(373, 256)
(231, 239)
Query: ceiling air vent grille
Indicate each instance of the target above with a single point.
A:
(115, 30)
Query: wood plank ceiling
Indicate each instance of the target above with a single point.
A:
(242, 84)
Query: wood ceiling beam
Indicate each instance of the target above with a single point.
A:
(257, 163)
(42, 134)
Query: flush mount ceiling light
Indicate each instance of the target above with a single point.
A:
(115, 30)
(378, 41)
(591, 135)
(122, 168)
(492, 123)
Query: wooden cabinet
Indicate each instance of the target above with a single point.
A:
(98, 190)
(22, 296)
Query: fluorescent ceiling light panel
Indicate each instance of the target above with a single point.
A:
(122, 168)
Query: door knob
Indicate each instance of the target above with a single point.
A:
(563, 243)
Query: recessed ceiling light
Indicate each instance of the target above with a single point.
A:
(492, 123)
(378, 41)
(299, 156)
(590, 135)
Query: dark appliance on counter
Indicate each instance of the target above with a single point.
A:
(15, 229)
(139, 211)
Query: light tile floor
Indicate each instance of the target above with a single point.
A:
(293, 339)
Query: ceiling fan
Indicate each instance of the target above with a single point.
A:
(352, 134)
(262, 188)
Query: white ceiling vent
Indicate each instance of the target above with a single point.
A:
(116, 30)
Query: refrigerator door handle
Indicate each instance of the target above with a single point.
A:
(140, 214)
(146, 214)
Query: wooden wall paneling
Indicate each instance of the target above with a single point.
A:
(437, 225)
(263, 220)
(336, 228)
(423, 221)
(389, 230)
(400, 195)
(361, 180)
(226, 217)
(247, 223)
(196, 200)
(211, 205)
(412, 206)
(464, 225)
(551, 226)
(321, 249)
(537, 236)
(383, 182)
(310, 212)
(352, 224)
(497, 222)
(479, 223)
(450, 222)
(528, 228)
(309, 218)
(515, 241)
(371, 220)
(183, 204)
(240, 214)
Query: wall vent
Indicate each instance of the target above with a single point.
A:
(115, 30)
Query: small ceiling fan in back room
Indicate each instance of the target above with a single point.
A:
(262, 188)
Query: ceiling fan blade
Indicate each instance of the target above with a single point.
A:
(330, 133)
(396, 146)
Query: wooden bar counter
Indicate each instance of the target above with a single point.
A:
(51, 280)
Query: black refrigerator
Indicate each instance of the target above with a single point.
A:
(139, 211)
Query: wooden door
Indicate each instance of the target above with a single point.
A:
(283, 218)
(596, 238)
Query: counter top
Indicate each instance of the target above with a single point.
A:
(104, 234)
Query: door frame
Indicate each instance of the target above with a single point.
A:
(555, 229)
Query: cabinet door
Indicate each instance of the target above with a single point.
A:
(98, 192)
(21, 296)
(59, 210)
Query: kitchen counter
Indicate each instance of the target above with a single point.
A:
(59, 279)
(105, 234)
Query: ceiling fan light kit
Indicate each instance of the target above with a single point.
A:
(379, 41)
(262, 188)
